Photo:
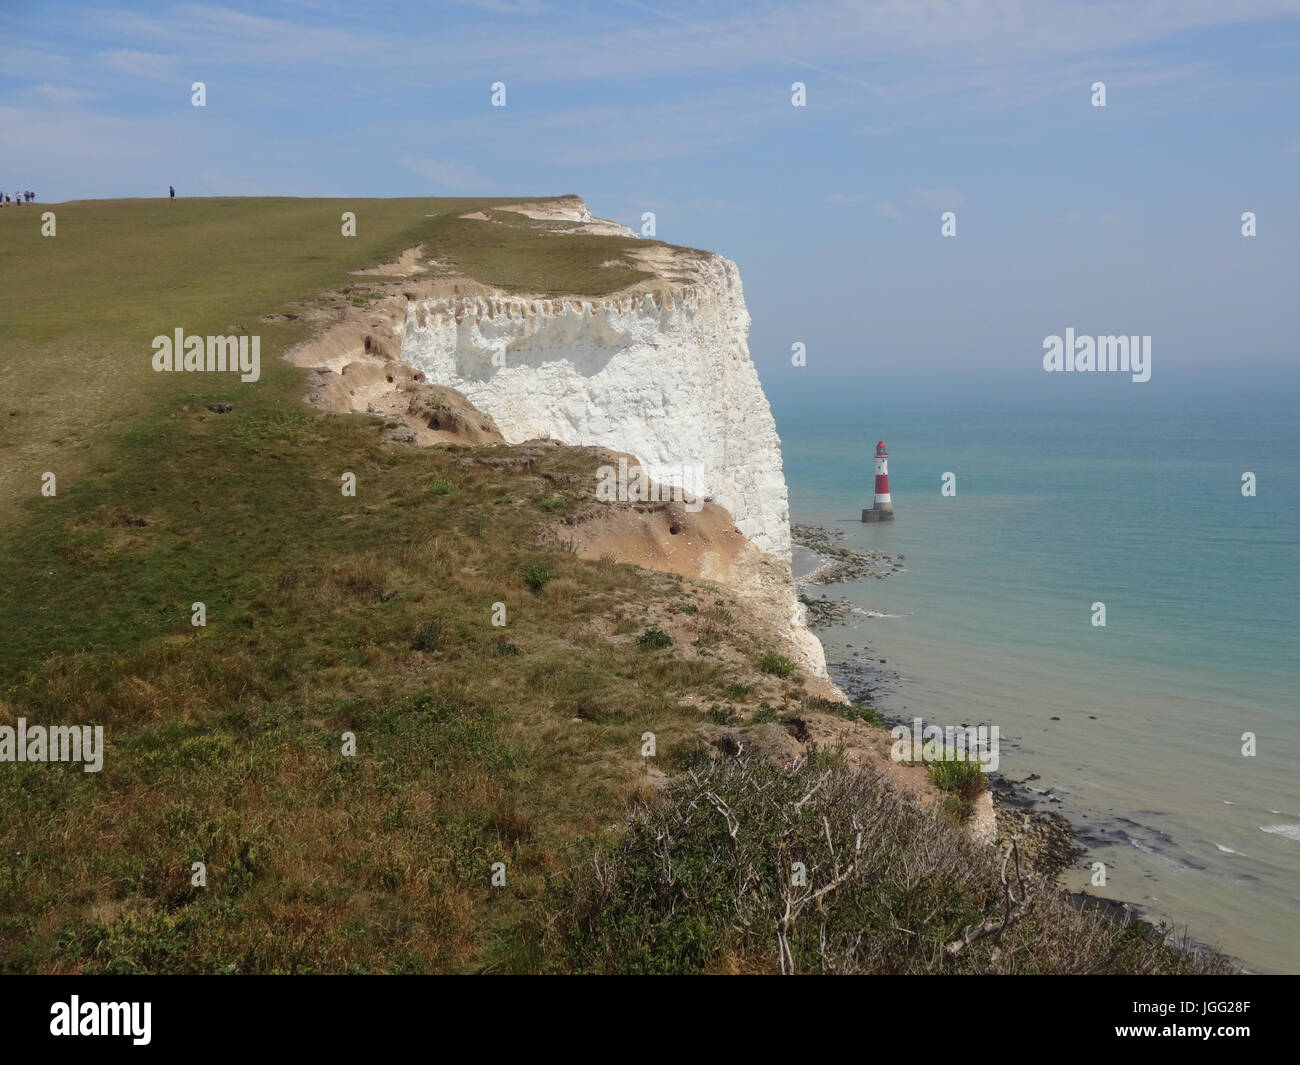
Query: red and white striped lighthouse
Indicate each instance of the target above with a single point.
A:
(882, 508)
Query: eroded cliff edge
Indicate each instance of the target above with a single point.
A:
(664, 375)
(658, 370)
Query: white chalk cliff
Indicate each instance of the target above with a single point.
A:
(660, 370)
(664, 375)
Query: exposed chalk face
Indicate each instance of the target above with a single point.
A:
(664, 376)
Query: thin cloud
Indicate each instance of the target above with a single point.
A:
(889, 209)
(938, 199)
(59, 94)
(248, 40)
(507, 7)
(140, 64)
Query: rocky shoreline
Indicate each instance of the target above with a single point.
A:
(842, 564)
(823, 612)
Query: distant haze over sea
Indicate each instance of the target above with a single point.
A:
(884, 382)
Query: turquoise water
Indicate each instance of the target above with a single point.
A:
(992, 622)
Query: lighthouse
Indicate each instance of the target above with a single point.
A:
(882, 509)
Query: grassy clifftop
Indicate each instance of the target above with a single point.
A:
(81, 307)
(325, 614)
(368, 615)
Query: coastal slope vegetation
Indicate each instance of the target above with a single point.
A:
(370, 616)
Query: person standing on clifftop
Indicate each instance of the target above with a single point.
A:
(172, 190)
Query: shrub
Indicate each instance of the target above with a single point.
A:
(440, 488)
(427, 637)
(963, 777)
(536, 574)
(764, 715)
(850, 711)
(869, 714)
(722, 715)
(955, 810)
(737, 691)
(654, 639)
(771, 662)
(701, 882)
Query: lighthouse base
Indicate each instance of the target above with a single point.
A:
(878, 515)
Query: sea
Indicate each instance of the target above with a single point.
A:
(1168, 736)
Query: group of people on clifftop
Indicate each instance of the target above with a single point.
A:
(27, 196)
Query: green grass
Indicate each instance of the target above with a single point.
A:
(775, 664)
(522, 257)
(326, 614)
(428, 637)
(964, 777)
(850, 711)
(80, 310)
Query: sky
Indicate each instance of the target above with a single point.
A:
(1122, 219)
